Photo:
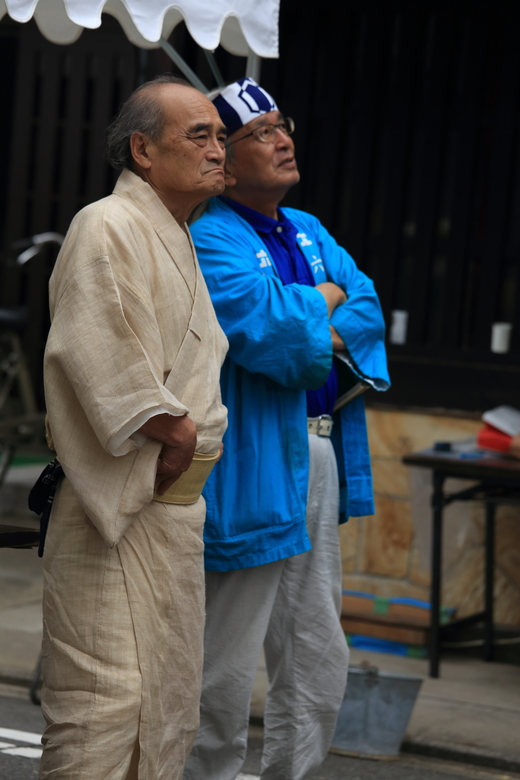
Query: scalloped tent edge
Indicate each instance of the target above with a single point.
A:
(243, 27)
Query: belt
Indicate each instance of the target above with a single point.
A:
(189, 486)
(321, 426)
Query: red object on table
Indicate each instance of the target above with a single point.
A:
(490, 438)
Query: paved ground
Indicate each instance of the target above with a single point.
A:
(21, 580)
(472, 711)
(21, 724)
(403, 768)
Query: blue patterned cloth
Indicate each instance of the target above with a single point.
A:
(241, 102)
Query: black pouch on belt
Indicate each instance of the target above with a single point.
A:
(42, 496)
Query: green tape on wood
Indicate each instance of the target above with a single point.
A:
(416, 651)
(381, 605)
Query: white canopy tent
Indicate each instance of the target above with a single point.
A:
(247, 28)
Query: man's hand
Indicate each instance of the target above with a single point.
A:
(179, 436)
(334, 295)
(337, 342)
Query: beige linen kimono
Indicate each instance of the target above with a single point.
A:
(133, 329)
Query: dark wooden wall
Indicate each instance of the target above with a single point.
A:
(408, 135)
(65, 97)
(61, 99)
(408, 140)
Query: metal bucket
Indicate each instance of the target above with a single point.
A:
(375, 712)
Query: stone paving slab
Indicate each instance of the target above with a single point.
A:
(21, 583)
(472, 712)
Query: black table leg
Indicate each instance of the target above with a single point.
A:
(489, 581)
(437, 506)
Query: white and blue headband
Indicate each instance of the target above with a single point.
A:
(241, 102)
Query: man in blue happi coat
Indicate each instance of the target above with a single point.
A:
(286, 296)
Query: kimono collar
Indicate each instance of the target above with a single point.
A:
(132, 187)
(176, 240)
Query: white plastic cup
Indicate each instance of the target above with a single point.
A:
(399, 326)
(501, 337)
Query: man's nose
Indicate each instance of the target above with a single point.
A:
(282, 140)
(217, 152)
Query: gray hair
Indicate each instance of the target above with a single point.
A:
(143, 113)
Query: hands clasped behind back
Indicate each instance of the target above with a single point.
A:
(179, 438)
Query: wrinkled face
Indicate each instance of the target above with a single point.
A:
(254, 166)
(189, 157)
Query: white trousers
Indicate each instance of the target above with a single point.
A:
(292, 608)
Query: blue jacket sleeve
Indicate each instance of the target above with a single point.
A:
(276, 330)
(359, 321)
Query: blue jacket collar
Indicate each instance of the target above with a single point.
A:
(255, 219)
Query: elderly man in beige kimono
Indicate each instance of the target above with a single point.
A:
(132, 387)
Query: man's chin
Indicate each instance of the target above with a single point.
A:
(289, 179)
(289, 176)
(211, 187)
(218, 186)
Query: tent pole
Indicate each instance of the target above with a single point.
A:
(253, 66)
(214, 67)
(183, 66)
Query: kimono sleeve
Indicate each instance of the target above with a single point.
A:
(115, 379)
(359, 321)
(276, 330)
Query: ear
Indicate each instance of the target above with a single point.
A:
(229, 174)
(139, 144)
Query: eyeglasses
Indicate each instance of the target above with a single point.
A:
(267, 133)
